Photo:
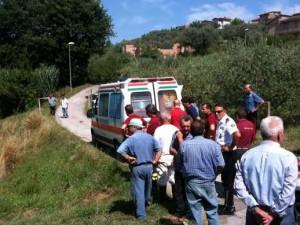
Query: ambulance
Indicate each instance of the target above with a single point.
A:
(139, 92)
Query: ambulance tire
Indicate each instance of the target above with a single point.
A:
(116, 144)
(94, 139)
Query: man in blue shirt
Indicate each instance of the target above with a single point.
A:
(189, 107)
(266, 178)
(202, 160)
(252, 102)
(140, 151)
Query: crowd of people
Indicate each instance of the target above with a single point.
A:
(189, 148)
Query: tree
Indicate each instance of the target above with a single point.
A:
(201, 39)
(237, 21)
(106, 68)
(33, 32)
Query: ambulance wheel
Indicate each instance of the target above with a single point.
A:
(94, 139)
(116, 144)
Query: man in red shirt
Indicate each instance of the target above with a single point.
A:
(154, 122)
(176, 114)
(210, 121)
(131, 115)
(246, 128)
(247, 131)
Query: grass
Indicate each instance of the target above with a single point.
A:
(54, 178)
(49, 176)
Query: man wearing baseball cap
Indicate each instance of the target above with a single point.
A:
(141, 151)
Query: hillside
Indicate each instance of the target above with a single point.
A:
(49, 176)
(202, 36)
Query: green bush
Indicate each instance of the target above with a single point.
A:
(19, 89)
(106, 68)
(274, 71)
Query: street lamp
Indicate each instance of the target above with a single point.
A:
(245, 39)
(69, 44)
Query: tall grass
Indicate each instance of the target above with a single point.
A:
(49, 176)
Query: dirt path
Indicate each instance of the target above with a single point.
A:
(80, 125)
(77, 123)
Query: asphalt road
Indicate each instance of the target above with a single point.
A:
(77, 123)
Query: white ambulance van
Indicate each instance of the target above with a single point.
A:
(139, 92)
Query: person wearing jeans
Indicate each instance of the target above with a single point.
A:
(201, 160)
(195, 190)
(64, 106)
(140, 151)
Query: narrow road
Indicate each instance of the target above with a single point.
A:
(80, 125)
(77, 123)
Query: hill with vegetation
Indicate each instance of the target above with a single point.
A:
(49, 176)
(272, 68)
(203, 36)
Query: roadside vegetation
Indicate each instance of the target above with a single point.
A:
(274, 71)
(49, 176)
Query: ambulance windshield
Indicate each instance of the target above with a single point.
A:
(139, 101)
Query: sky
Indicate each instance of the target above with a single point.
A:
(133, 18)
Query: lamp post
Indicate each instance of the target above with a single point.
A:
(245, 39)
(69, 45)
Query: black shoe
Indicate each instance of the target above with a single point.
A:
(227, 211)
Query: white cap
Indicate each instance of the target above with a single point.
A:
(136, 122)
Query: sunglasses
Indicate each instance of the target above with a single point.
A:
(219, 111)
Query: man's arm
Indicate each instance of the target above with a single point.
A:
(123, 150)
(212, 130)
(288, 191)
(235, 140)
(259, 102)
(241, 189)
(219, 160)
(156, 157)
(157, 151)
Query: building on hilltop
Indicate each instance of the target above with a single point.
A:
(279, 24)
(290, 26)
(222, 21)
(131, 49)
(176, 50)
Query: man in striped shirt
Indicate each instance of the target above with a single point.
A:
(202, 160)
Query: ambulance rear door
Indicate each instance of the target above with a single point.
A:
(139, 95)
(166, 91)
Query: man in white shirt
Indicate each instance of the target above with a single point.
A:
(64, 106)
(164, 135)
(227, 136)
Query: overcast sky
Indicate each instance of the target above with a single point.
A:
(132, 18)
